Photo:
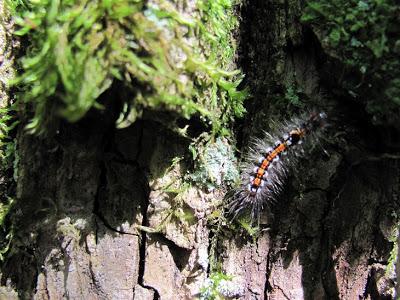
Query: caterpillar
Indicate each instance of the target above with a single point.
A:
(264, 169)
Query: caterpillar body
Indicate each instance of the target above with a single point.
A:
(265, 169)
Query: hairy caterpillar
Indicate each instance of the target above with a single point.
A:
(264, 169)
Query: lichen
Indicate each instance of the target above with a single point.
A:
(221, 286)
(363, 35)
(217, 164)
(166, 59)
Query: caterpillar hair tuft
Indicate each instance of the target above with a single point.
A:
(265, 167)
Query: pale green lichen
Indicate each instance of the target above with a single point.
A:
(217, 164)
(210, 290)
(219, 286)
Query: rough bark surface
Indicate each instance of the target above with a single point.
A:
(328, 240)
(7, 45)
(84, 194)
(6, 53)
(97, 193)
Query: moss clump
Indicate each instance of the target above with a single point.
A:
(391, 265)
(364, 35)
(166, 59)
(6, 232)
(7, 144)
(7, 161)
(293, 95)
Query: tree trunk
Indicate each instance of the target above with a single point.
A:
(90, 199)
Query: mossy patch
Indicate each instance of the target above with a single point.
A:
(7, 144)
(365, 37)
(167, 59)
(7, 141)
(6, 231)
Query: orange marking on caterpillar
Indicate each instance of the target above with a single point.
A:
(265, 164)
(254, 194)
(257, 182)
(272, 155)
(281, 148)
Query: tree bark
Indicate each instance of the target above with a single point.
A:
(87, 197)
(329, 237)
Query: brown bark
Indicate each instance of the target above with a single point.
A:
(329, 235)
(83, 195)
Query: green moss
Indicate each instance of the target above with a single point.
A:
(364, 35)
(391, 264)
(5, 231)
(7, 161)
(293, 95)
(7, 145)
(217, 26)
(168, 60)
(251, 230)
(7, 142)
